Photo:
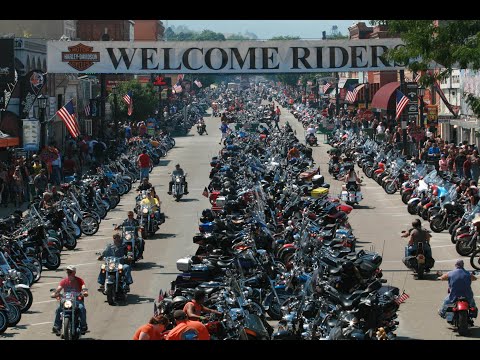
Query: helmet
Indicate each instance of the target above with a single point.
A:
(179, 302)
(227, 184)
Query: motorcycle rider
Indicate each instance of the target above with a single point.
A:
(459, 285)
(310, 132)
(178, 172)
(418, 234)
(201, 123)
(118, 250)
(351, 179)
(145, 185)
(194, 308)
(187, 329)
(131, 221)
(153, 203)
(71, 283)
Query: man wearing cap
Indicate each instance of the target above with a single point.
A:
(71, 283)
(178, 172)
(459, 285)
(187, 329)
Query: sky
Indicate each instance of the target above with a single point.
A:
(265, 29)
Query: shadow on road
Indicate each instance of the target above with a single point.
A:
(164, 162)
(164, 273)
(133, 299)
(8, 334)
(474, 333)
(364, 207)
(189, 200)
(32, 312)
(163, 236)
(139, 266)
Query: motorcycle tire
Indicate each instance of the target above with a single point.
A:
(274, 310)
(67, 329)
(369, 172)
(375, 177)
(71, 243)
(390, 188)
(89, 225)
(475, 259)
(412, 208)
(25, 297)
(464, 249)
(462, 323)
(452, 227)
(3, 322)
(156, 161)
(14, 315)
(406, 197)
(110, 291)
(114, 200)
(36, 271)
(53, 261)
(437, 225)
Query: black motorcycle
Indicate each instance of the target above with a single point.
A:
(70, 315)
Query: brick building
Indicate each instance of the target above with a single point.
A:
(149, 30)
(117, 30)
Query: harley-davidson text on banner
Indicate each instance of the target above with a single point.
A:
(295, 56)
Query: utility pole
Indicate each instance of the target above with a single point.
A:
(337, 95)
(402, 116)
(115, 116)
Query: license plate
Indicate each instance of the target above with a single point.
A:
(449, 316)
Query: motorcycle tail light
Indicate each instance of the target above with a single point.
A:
(129, 247)
(79, 298)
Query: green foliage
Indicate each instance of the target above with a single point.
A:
(145, 100)
(287, 37)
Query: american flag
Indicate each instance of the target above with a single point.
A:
(417, 77)
(177, 88)
(180, 78)
(402, 101)
(402, 298)
(86, 108)
(67, 114)
(205, 192)
(129, 101)
(326, 87)
(198, 83)
(352, 93)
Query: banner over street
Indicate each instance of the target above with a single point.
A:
(220, 57)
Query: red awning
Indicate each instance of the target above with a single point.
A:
(382, 96)
(10, 141)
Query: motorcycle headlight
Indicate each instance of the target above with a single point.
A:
(177, 180)
(145, 210)
(111, 266)
(13, 274)
(128, 237)
(120, 267)
(67, 304)
(103, 266)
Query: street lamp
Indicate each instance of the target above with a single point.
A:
(421, 94)
(42, 105)
(115, 112)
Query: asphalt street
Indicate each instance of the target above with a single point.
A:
(154, 272)
(377, 223)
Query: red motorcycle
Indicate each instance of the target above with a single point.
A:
(460, 315)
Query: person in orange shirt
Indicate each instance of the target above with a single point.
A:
(293, 153)
(153, 330)
(187, 329)
(194, 308)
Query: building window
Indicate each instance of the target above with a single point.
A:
(88, 127)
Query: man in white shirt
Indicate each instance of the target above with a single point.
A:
(56, 177)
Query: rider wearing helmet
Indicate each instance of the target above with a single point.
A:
(178, 172)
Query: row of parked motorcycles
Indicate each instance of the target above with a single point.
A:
(33, 242)
(269, 250)
(430, 194)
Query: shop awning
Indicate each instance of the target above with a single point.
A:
(9, 142)
(345, 82)
(382, 96)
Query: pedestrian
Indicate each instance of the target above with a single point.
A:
(56, 176)
(144, 163)
(467, 166)
(459, 160)
(187, 329)
(443, 163)
(40, 182)
(224, 129)
(36, 166)
(475, 169)
(153, 330)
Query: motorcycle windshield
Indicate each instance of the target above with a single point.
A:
(420, 171)
(430, 177)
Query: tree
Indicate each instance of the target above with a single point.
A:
(449, 44)
(145, 100)
(287, 37)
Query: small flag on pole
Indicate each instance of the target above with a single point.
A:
(402, 298)
(67, 114)
(177, 88)
(129, 100)
(180, 78)
(326, 87)
(86, 108)
(205, 192)
(417, 77)
(198, 83)
(402, 101)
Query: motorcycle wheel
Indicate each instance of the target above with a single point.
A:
(462, 323)
(102, 212)
(71, 243)
(67, 329)
(36, 271)
(89, 226)
(463, 248)
(13, 315)
(274, 310)
(424, 214)
(25, 297)
(110, 290)
(375, 177)
(3, 322)
(437, 225)
(453, 236)
(369, 172)
(475, 259)
(114, 200)
(53, 261)
(452, 227)
(390, 188)
(406, 197)
(412, 208)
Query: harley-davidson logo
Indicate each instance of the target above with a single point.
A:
(80, 57)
